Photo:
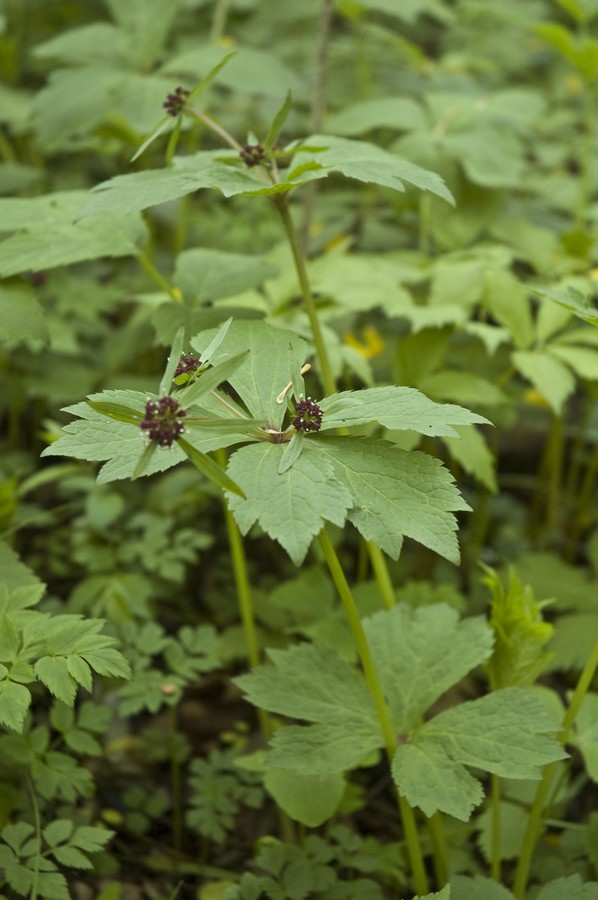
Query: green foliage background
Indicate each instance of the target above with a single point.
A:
(439, 162)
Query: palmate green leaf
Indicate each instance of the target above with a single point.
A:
(347, 728)
(509, 733)
(396, 408)
(96, 437)
(367, 162)
(21, 316)
(205, 274)
(505, 733)
(65, 244)
(291, 507)
(586, 734)
(570, 887)
(479, 888)
(140, 190)
(420, 653)
(275, 357)
(394, 493)
(474, 456)
(428, 779)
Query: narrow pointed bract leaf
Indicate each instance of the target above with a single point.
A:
(209, 468)
(117, 411)
(209, 380)
(277, 123)
(173, 361)
(207, 79)
(165, 124)
(144, 460)
(291, 452)
(274, 355)
(216, 340)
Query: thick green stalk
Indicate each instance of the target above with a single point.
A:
(534, 825)
(281, 203)
(420, 878)
(439, 857)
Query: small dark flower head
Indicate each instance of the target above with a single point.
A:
(309, 416)
(162, 421)
(175, 103)
(188, 364)
(253, 155)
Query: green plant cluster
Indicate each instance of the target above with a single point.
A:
(299, 450)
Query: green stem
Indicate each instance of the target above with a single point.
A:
(219, 20)
(158, 278)
(382, 575)
(243, 587)
(420, 878)
(586, 157)
(318, 109)
(534, 825)
(38, 833)
(584, 497)
(440, 856)
(496, 836)
(281, 203)
(175, 782)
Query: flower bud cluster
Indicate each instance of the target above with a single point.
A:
(175, 103)
(308, 416)
(162, 421)
(188, 364)
(253, 155)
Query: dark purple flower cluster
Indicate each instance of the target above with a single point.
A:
(175, 103)
(188, 364)
(309, 416)
(253, 155)
(162, 421)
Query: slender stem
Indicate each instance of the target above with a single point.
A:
(420, 878)
(534, 824)
(281, 203)
(214, 126)
(496, 834)
(219, 21)
(158, 278)
(175, 782)
(584, 496)
(318, 109)
(382, 575)
(243, 586)
(38, 833)
(239, 563)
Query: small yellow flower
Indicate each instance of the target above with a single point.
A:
(372, 344)
(533, 397)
